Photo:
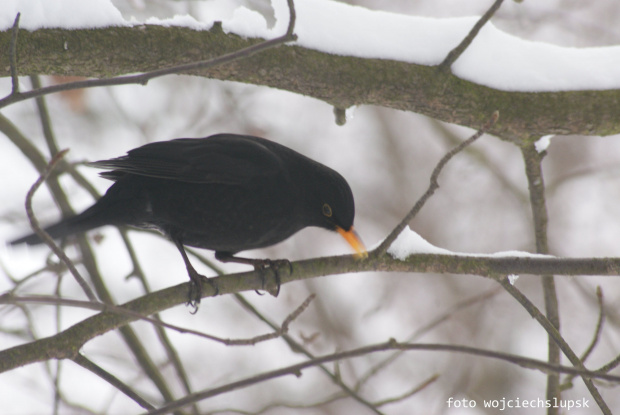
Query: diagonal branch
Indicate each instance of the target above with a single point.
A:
(34, 223)
(297, 347)
(458, 51)
(434, 185)
(554, 334)
(112, 380)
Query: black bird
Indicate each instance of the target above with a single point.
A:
(227, 193)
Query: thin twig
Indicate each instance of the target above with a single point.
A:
(171, 352)
(455, 309)
(559, 340)
(609, 366)
(131, 339)
(568, 382)
(458, 51)
(143, 78)
(409, 394)
(44, 116)
(34, 224)
(98, 306)
(536, 187)
(13, 56)
(112, 380)
(299, 348)
(434, 185)
(599, 325)
(296, 369)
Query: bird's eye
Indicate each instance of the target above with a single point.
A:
(327, 210)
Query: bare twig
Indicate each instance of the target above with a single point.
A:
(44, 116)
(434, 185)
(559, 340)
(13, 56)
(34, 223)
(390, 345)
(143, 78)
(98, 306)
(299, 348)
(609, 366)
(132, 340)
(171, 352)
(412, 392)
(112, 380)
(536, 186)
(456, 308)
(278, 332)
(458, 51)
(568, 382)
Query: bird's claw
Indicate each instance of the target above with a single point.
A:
(195, 290)
(275, 265)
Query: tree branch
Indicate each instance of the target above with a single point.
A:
(458, 51)
(67, 343)
(434, 185)
(13, 56)
(143, 78)
(554, 334)
(350, 81)
(390, 345)
(113, 380)
(536, 185)
(34, 224)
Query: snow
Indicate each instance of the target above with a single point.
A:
(543, 143)
(178, 20)
(70, 14)
(495, 58)
(409, 243)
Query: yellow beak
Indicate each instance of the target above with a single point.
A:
(354, 240)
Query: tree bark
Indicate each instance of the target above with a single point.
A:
(341, 81)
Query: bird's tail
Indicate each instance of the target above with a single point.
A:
(116, 207)
(83, 222)
(91, 218)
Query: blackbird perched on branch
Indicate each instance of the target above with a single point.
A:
(227, 193)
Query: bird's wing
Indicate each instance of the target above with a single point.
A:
(222, 158)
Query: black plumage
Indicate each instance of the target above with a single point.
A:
(227, 193)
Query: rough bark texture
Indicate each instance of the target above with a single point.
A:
(341, 81)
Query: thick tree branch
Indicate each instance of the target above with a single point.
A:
(348, 81)
(143, 78)
(67, 343)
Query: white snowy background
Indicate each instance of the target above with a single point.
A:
(387, 157)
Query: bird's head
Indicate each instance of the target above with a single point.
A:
(333, 208)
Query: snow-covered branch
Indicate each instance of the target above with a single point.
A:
(539, 89)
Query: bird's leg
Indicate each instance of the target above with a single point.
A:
(259, 265)
(195, 286)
